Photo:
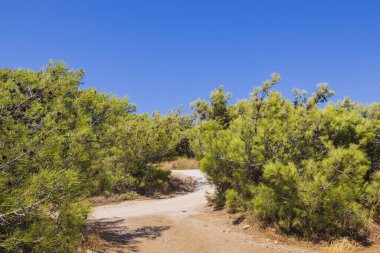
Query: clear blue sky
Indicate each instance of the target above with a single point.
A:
(165, 53)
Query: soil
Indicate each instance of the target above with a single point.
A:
(183, 224)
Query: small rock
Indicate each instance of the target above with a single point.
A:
(246, 226)
(275, 242)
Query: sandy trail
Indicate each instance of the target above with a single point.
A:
(181, 224)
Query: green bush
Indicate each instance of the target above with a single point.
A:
(61, 144)
(232, 200)
(310, 170)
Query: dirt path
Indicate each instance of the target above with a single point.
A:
(182, 224)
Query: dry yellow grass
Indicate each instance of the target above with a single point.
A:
(91, 242)
(342, 246)
(180, 164)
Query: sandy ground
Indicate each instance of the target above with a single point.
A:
(182, 224)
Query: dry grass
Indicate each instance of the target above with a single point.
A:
(260, 230)
(114, 198)
(180, 163)
(374, 232)
(343, 245)
(91, 242)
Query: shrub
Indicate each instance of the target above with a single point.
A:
(61, 144)
(232, 200)
(309, 170)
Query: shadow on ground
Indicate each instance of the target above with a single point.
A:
(114, 234)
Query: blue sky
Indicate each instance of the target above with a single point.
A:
(165, 53)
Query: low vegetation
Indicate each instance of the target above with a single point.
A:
(342, 245)
(180, 164)
(306, 169)
(61, 144)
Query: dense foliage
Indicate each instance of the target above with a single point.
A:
(310, 170)
(61, 144)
